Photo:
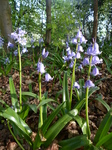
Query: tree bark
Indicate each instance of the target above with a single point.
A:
(48, 21)
(5, 20)
(95, 25)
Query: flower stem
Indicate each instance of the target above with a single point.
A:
(73, 78)
(86, 107)
(41, 117)
(14, 136)
(20, 78)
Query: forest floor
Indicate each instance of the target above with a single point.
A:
(96, 110)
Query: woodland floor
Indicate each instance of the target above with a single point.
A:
(96, 110)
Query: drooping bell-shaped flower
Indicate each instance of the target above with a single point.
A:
(10, 45)
(83, 40)
(76, 85)
(85, 61)
(96, 60)
(24, 50)
(95, 72)
(74, 41)
(89, 84)
(71, 64)
(41, 41)
(78, 55)
(22, 41)
(40, 68)
(16, 52)
(80, 67)
(80, 48)
(45, 54)
(48, 77)
(93, 50)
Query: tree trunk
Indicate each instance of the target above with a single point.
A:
(95, 25)
(5, 20)
(48, 21)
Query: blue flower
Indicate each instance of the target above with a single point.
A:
(78, 55)
(41, 41)
(48, 77)
(16, 52)
(10, 45)
(80, 48)
(85, 61)
(7, 60)
(96, 60)
(89, 84)
(24, 50)
(93, 50)
(95, 72)
(76, 85)
(74, 41)
(80, 67)
(71, 64)
(40, 68)
(44, 54)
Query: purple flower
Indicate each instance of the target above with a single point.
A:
(76, 85)
(80, 37)
(14, 35)
(10, 45)
(83, 40)
(85, 61)
(15, 52)
(73, 54)
(21, 32)
(79, 34)
(89, 84)
(80, 67)
(65, 59)
(22, 41)
(95, 72)
(48, 77)
(93, 50)
(71, 64)
(78, 55)
(44, 54)
(41, 41)
(40, 68)
(74, 41)
(24, 50)
(67, 45)
(80, 48)
(96, 60)
(7, 60)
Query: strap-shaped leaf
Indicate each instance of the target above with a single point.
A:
(74, 143)
(58, 126)
(14, 98)
(104, 127)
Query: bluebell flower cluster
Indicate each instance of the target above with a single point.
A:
(41, 67)
(7, 61)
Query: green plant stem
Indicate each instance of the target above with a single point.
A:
(20, 78)
(73, 79)
(14, 136)
(41, 117)
(86, 106)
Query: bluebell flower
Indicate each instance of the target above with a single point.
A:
(76, 85)
(14, 35)
(22, 41)
(71, 64)
(73, 54)
(21, 32)
(96, 60)
(78, 55)
(1, 42)
(93, 50)
(74, 41)
(89, 84)
(95, 72)
(16, 52)
(10, 45)
(80, 48)
(24, 50)
(40, 68)
(79, 34)
(41, 41)
(65, 59)
(48, 77)
(7, 60)
(83, 40)
(85, 61)
(67, 45)
(80, 67)
(45, 54)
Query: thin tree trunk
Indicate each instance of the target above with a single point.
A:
(5, 20)
(48, 21)
(95, 25)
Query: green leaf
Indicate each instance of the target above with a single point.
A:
(45, 126)
(99, 98)
(8, 68)
(54, 130)
(66, 93)
(74, 143)
(30, 94)
(104, 127)
(92, 90)
(14, 98)
(14, 118)
(24, 113)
